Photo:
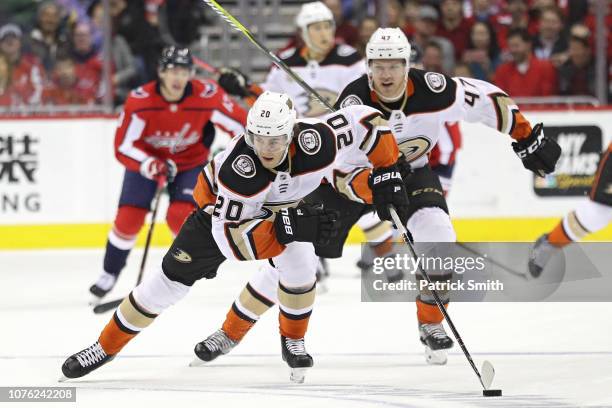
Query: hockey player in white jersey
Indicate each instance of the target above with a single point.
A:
(324, 65)
(327, 68)
(417, 105)
(249, 207)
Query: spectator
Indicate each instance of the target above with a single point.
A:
(425, 28)
(367, 27)
(395, 14)
(462, 70)
(69, 85)
(484, 10)
(46, 39)
(525, 75)
(550, 44)
(88, 61)
(454, 26)
(184, 19)
(411, 15)
(577, 73)
(345, 31)
(482, 55)
(7, 97)
(432, 58)
(517, 17)
(124, 73)
(26, 71)
(143, 38)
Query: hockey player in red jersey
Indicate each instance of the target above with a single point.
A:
(249, 207)
(166, 128)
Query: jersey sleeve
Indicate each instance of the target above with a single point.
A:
(129, 131)
(241, 229)
(481, 101)
(370, 133)
(228, 115)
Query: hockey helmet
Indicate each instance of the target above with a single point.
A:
(273, 114)
(387, 43)
(175, 56)
(311, 13)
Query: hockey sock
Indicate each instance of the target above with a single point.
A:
(295, 310)
(127, 321)
(429, 313)
(122, 237)
(245, 312)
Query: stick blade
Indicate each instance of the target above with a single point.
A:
(487, 373)
(105, 307)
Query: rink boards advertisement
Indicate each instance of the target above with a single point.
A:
(60, 181)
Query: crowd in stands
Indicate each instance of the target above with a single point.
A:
(51, 50)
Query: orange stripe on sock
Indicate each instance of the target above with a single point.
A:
(235, 327)
(113, 339)
(384, 247)
(427, 313)
(558, 237)
(293, 329)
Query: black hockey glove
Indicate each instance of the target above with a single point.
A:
(306, 223)
(234, 82)
(538, 152)
(388, 189)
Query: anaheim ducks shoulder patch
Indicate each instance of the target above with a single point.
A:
(244, 166)
(436, 82)
(309, 141)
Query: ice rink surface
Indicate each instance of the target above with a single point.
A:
(366, 354)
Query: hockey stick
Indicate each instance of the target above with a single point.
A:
(200, 63)
(279, 63)
(105, 307)
(488, 372)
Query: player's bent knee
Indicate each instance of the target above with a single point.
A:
(431, 224)
(157, 292)
(129, 220)
(178, 211)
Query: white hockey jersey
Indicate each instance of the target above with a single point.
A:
(342, 65)
(431, 100)
(243, 196)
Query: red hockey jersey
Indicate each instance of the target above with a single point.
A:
(181, 131)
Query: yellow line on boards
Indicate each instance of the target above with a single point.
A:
(94, 235)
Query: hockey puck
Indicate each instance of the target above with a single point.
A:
(491, 393)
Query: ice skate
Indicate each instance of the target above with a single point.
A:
(294, 353)
(540, 254)
(215, 345)
(104, 284)
(85, 361)
(436, 342)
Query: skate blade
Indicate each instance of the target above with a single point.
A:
(298, 375)
(197, 362)
(435, 357)
(62, 379)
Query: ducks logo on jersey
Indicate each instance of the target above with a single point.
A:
(244, 166)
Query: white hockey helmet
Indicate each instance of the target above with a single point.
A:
(311, 13)
(387, 43)
(273, 114)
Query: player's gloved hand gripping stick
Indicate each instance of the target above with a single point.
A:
(161, 184)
